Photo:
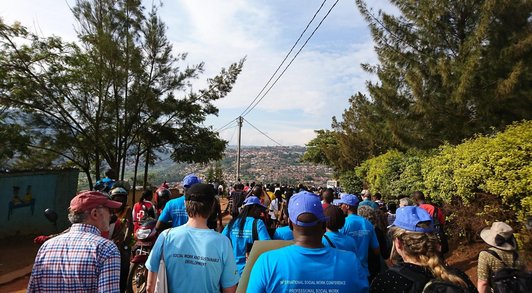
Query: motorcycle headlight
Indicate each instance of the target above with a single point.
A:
(143, 233)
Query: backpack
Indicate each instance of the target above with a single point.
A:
(509, 279)
(421, 283)
(439, 231)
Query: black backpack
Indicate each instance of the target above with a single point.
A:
(421, 283)
(440, 231)
(509, 279)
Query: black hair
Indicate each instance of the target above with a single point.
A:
(247, 211)
(146, 194)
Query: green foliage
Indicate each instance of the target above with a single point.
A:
(119, 92)
(393, 173)
(499, 164)
(351, 182)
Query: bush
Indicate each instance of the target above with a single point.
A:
(482, 175)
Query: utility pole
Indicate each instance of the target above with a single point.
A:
(239, 123)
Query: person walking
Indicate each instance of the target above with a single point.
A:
(307, 266)
(359, 228)
(174, 213)
(80, 260)
(333, 237)
(416, 243)
(501, 254)
(196, 258)
(245, 229)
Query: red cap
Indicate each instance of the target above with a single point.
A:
(87, 200)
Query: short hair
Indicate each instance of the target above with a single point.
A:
(405, 201)
(378, 196)
(418, 195)
(368, 213)
(336, 217)
(198, 208)
(328, 195)
(76, 217)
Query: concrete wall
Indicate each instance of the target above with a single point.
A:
(25, 195)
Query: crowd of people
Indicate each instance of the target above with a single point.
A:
(340, 242)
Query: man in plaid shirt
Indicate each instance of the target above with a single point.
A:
(80, 260)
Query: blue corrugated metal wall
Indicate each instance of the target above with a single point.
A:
(25, 195)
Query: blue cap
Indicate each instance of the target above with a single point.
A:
(410, 216)
(348, 199)
(190, 180)
(253, 200)
(305, 202)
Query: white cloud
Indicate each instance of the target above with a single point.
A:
(317, 85)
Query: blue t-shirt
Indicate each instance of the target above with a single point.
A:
(294, 268)
(239, 242)
(362, 231)
(197, 260)
(369, 203)
(340, 241)
(175, 210)
(283, 233)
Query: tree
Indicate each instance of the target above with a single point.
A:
(118, 92)
(449, 69)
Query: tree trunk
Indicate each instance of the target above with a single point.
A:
(146, 163)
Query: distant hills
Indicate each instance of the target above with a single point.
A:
(258, 163)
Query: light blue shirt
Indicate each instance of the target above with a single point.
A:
(197, 260)
(239, 242)
(340, 241)
(314, 269)
(362, 231)
(283, 233)
(175, 210)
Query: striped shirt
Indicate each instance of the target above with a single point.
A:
(78, 261)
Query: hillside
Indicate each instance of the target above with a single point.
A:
(259, 164)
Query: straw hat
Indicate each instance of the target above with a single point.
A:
(500, 235)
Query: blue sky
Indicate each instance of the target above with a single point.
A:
(316, 87)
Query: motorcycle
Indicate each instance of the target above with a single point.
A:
(138, 273)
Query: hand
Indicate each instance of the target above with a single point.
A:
(40, 239)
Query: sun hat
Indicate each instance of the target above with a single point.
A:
(87, 200)
(190, 180)
(305, 202)
(200, 192)
(348, 199)
(500, 235)
(253, 200)
(409, 217)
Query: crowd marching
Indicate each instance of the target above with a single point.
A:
(338, 242)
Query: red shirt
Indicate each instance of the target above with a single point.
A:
(139, 212)
(430, 209)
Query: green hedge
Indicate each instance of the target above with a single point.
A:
(499, 164)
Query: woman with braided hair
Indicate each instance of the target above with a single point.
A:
(417, 245)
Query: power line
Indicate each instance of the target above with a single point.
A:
(262, 132)
(293, 58)
(223, 127)
(285, 57)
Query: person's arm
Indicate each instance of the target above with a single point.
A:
(109, 278)
(150, 283)
(483, 286)
(229, 290)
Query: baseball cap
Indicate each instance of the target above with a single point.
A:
(348, 199)
(253, 200)
(87, 200)
(305, 202)
(190, 180)
(200, 192)
(409, 217)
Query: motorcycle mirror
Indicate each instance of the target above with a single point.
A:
(51, 215)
